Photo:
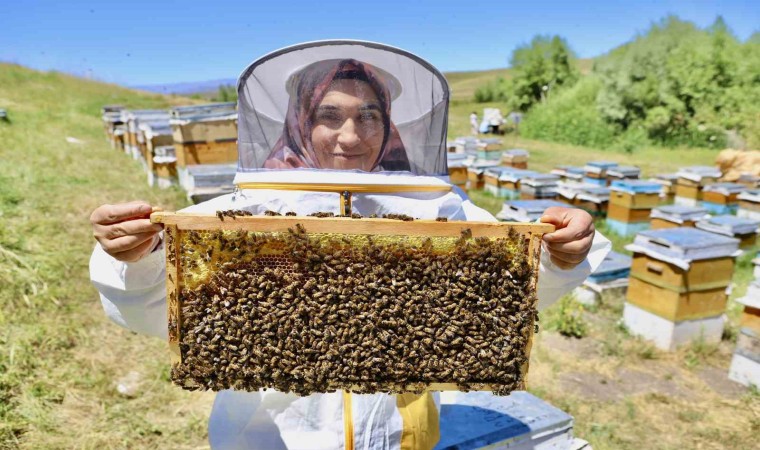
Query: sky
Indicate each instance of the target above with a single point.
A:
(139, 42)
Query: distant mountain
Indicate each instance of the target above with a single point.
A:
(188, 87)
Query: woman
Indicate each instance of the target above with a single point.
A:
(339, 118)
(337, 126)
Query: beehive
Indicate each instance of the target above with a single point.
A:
(205, 134)
(622, 173)
(745, 364)
(457, 169)
(609, 278)
(746, 230)
(510, 182)
(691, 182)
(111, 115)
(749, 204)
(516, 157)
(307, 304)
(568, 173)
(595, 172)
(526, 210)
(492, 183)
(722, 198)
(668, 182)
(673, 216)
(539, 186)
(476, 173)
(593, 199)
(677, 287)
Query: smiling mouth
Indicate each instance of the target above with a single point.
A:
(347, 155)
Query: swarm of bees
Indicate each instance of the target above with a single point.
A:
(305, 313)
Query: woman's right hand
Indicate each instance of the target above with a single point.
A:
(124, 230)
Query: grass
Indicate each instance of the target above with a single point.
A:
(60, 358)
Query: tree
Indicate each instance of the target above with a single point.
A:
(539, 68)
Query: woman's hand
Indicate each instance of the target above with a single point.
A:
(569, 244)
(124, 230)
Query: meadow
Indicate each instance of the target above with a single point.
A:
(61, 359)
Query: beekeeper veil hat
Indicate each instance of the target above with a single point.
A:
(401, 127)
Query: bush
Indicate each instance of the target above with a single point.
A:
(570, 116)
(566, 317)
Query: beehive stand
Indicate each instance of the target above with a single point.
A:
(178, 227)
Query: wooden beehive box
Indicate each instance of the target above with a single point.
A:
(626, 215)
(307, 304)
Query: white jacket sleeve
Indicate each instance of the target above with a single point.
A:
(553, 282)
(133, 294)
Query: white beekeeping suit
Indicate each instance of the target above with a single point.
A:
(282, 98)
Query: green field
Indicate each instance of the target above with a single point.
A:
(60, 358)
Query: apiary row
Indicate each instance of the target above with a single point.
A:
(745, 364)
(191, 146)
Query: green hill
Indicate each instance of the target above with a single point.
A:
(463, 84)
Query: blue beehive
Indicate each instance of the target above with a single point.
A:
(614, 266)
(637, 186)
(520, 421)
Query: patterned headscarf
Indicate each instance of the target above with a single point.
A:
(294, 148)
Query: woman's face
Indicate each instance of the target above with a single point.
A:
(347, 131)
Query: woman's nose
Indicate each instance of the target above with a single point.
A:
(348, 136)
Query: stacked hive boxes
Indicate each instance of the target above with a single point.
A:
(516, 157)
(668, 181)
(593, 199)
(631, 202)
(476, 173)
(677, 289)
(674, 216)
(159, 153)
(722, 198)
(205, 143)
(622, 173)
(111, 121)
(749, 180)
(510, 182)
(491, 180)
(457, 169)
(489, 148)
(745, 230)
(525, 210)
(539, 186)
(749, 204)
(611, 277)
(745, 364)
(595, 172)
(691, 182)
(134, 141)
(569, 173)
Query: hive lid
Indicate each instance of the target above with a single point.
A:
(534, 206)
(516, 152)
(752, 297)
(613, 262)
(624, 171)
(679, 213)
(516, 175)
(593, 193)
(541, 180)
(155, 128)
(725, 188)
(682, 245)
(111, 108)
(752, 195)
(698, 173)
(729, 225)
(480, 419)
(636, 186)
(199, 113)
(498, 170)
(602, 164)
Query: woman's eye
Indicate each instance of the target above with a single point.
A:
(328, 117)
(369, 117)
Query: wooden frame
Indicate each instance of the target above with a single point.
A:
(177, 223)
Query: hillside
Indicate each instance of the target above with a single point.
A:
(463, 84)
(61, 359)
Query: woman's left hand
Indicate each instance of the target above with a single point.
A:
(569, 244)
